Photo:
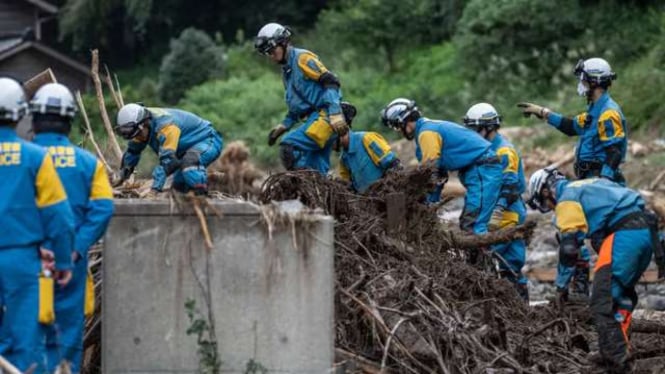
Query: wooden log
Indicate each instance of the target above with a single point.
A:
(465, 241)
(115, 147)
(33, 84)
(647, 327)
(367, 366)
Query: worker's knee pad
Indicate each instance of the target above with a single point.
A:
(190, 158)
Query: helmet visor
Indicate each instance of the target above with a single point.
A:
(128, 130)
(265, 46)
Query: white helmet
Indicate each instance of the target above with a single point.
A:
(53, 98)
(541, 179)
(396, 113)
(482, 115)
(12, 100)
(270, 36)
(595, 71)
(129, 120)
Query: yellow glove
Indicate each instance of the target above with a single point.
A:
(338, 124)
(496, 218)
(528, 109)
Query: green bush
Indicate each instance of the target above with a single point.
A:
(193, 58)
(241, 109)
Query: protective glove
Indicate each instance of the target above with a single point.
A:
(528, 109)
(338, 124)
(120, 177)
(275, 133)
(496, 218)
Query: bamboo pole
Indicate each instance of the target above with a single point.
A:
(117, 85)
(115, 147)
(91, 135)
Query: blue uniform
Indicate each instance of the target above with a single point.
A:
(612, 216)
(366, 159)
(602, 141)
(311, 98)
(453, 147)
(512, 188)
(34, 210)
(91, 199)
(185, 143)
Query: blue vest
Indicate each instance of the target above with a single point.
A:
(361, 167)
(461, 147)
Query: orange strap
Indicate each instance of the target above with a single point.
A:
(605, 255)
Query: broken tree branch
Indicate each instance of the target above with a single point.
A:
(117, 87)
(90, 134)
(102, 106)
(109, 83)
(202, 221)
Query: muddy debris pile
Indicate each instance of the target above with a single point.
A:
(407, 301)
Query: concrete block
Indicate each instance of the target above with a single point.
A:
(271, 289)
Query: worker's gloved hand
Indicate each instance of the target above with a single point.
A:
(275, 133)
(63, 277)
(121, 176)
(528, 109)
(496, 218)
(338, 124)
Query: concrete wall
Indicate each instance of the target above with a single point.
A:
(272, 300)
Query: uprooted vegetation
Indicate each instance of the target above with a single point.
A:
(407, 300)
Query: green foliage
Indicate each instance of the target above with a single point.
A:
(390, 25)
(241, 109)
(193, 59)
(209, 360)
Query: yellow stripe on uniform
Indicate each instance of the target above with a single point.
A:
(310, 65)
(430, 145)
(614, 118)
(511, 156)
(47, 185)
(380, 142)
(100, 188)
(581, 119)
(171, 133)
(570, 217)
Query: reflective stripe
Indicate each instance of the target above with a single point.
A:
(570, 217)
(605, 255)
(49, 189)
(100, 187)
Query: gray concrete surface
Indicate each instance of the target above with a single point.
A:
(271, 291)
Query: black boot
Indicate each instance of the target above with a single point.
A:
(580, 284)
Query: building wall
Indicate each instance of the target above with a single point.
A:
(271, 293)
(15, 16)
(26, 64)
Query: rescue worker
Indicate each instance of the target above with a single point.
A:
(622, 233)
(510, 210)
(33, 211)
(91, 200)
(602, 143)
(452, 147)
(365, 156)
(312, 96)
(185, 144)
